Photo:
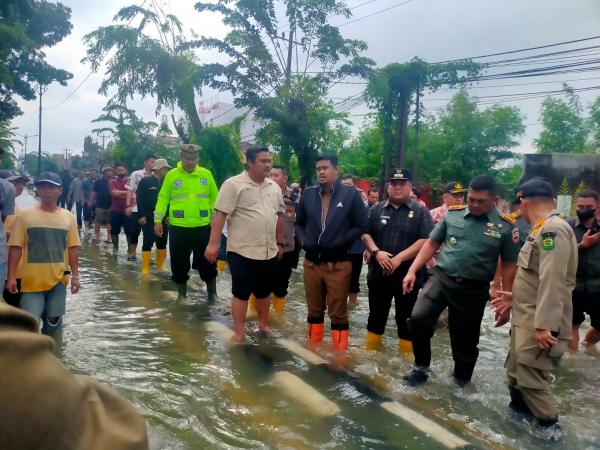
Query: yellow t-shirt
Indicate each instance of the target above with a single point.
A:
(45, 238)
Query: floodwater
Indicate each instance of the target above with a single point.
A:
(197, 392)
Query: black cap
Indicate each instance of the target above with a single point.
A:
(400, 175)
(14, 176)
(48, 177)
(454, 187)
(536, 187)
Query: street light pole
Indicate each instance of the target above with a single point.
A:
(41, 92)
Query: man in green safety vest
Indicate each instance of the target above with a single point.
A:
(189, 193)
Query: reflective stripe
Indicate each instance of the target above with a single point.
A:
(158, 216)
(179, 197)
(201, 195)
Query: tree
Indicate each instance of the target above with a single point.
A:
(393, 89)
(30, 163)
(162, 67)
(363, 156)
(26, 27)
(269, 67)
(594, 125)
(565, 129)
(7, 143)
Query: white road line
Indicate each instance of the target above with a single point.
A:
(300, 351)
(304, 394)
(425, 425)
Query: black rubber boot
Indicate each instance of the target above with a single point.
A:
(182, 291)
(417, 376)
(211, 288)
(115, 242)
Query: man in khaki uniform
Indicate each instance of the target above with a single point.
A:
(541, 303)
(44, 406)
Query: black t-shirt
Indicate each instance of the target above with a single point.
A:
(147, 196)
(103, 197)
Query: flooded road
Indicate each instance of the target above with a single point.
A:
(197, 392)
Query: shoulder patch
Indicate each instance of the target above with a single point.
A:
(548, 240)
(516, 215)
(456, 207)
(508, 218)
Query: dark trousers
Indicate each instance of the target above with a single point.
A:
(282, 274)
(78, 213)
(357, 262)
(466, 302)
(184, 242)
(150, 238)
(89, 213)
(133, 228)
(118, 220)
(381, 291)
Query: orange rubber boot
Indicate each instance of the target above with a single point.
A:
(339, 339)
(316, 331)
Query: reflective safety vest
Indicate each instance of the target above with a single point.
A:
(190, 197)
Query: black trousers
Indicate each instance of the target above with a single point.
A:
(89, 212)
(466, 302)
(78, 212)
(183, 243)
(357, 262)
(282, 273)
(382, 289)
(133, 228)
(150, 238)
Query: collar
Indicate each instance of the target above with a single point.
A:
(484, 217)
(407, 204)
(251, 181)
(333, 188)
(195, 172)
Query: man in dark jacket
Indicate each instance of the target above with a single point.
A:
(329, 218)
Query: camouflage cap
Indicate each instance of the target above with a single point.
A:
(190, 150)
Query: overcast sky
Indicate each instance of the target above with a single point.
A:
(434, 30)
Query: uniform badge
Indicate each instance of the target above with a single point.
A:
(203, 181)
(500, 226)
(178, 184)
(489, 225)
(411, 214)
(548, 240)
(383, 221)
(452, 241)
(515, 235)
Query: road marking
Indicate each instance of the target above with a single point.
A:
(222, 331)
(171, 295)
(425, 425)
(300, 351)
(304, 394)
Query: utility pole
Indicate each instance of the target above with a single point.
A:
(41, 92)
(417, 130)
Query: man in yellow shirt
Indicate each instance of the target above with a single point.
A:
(45, 237)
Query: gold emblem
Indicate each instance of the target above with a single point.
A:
(452, 241)
(500, 225)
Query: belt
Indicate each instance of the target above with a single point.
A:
(464, 281)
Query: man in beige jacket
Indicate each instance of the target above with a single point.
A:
(44, 406)
(541, 303)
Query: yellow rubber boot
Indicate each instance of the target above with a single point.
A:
(373, 341)
(278, 304)
(221, 265)
(161, 255)
(146, 256)
(405, 346)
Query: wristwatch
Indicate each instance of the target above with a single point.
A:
(374, 253)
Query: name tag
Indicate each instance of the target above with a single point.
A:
(203, 213)
(178, 184)
(203, 181)
(178, 214)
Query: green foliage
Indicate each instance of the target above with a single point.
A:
(564, 188)
(594, 125)
(162, 67)
(30, 163)
(565, 129)
(26, 27)
(580, 188)
(220, 150)
(7, 143)
(508, 181)
(364, 154)
(278, 85)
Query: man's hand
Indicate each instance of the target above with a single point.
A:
(589, 240)
(212, 251)
(367, 256)
(545, 339)
(502, 303)
(409, 281)
(75, 286)
(158, 229)
(279, 252)
(384, 259)
(502, 319)
(128, 211)
(142, 221)
(11, 285)
(396, 261)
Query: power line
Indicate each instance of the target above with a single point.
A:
(375, 13)
(524, 49)
(88, 75)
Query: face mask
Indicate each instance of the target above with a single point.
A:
(586, 214)
(121, 175)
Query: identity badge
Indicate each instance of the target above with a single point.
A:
(178, 184)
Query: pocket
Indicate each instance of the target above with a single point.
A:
(247, 198)
(558, 350)
(525, 256)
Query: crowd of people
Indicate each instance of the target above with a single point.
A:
(528, 263)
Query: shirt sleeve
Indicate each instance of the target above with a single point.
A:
(438, 234)
(373, 222)
(509, 251)
(280, 202)
(227, 198)
(164, 198)
(213, 191)
(426, 225)
(8, 207)
(73, 234)
(552, 291)
(17, 236)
